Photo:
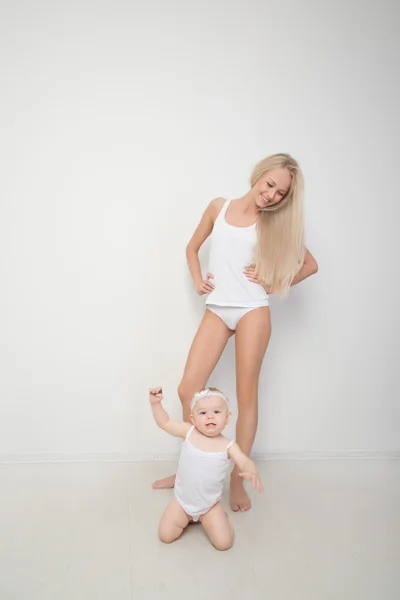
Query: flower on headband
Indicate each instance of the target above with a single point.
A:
(207, 392)
(201, 394)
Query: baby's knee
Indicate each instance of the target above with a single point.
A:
(166, 539)
(224, 541)
(166, 535)
(223, 544)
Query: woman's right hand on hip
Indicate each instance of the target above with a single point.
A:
(205, 286)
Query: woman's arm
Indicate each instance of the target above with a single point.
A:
(202, 232)
(310, 267)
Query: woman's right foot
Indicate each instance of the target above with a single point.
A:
(240, 500)
(166, 483)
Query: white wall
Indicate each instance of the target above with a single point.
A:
(119, 122)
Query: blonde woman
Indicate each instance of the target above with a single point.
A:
(256, 249)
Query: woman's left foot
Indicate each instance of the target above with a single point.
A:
(239, 498)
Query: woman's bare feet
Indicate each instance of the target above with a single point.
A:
(239, 497)
(164, 484)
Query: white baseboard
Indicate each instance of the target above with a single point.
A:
(6, 459)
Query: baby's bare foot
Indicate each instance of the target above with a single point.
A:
(239, 497)
(164, 484)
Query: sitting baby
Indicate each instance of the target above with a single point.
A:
(203, 463)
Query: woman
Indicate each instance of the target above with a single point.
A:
(256, 249)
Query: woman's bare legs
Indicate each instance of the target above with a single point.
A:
(206, 349)
(252, 337)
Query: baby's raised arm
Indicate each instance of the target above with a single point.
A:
(176, 428)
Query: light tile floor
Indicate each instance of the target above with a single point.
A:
(323, 530)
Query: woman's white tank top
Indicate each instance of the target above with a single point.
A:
(231, 250)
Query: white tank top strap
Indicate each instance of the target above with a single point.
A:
(225, 206)
(230, 445)
(221, 214)
(189, 432)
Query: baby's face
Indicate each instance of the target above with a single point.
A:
(210, 415)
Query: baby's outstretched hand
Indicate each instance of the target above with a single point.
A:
(254, 480)
(155, 395)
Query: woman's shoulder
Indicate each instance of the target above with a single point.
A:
(216, 206)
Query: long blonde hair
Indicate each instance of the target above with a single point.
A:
(279, 253)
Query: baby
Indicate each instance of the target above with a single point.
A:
(203, 463)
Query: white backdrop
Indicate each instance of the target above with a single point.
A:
(119, 122)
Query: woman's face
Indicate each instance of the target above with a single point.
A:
(272, 187)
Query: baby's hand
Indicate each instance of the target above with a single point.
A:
(155, 395)
(254, 480)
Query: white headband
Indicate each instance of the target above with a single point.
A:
(207, 393)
